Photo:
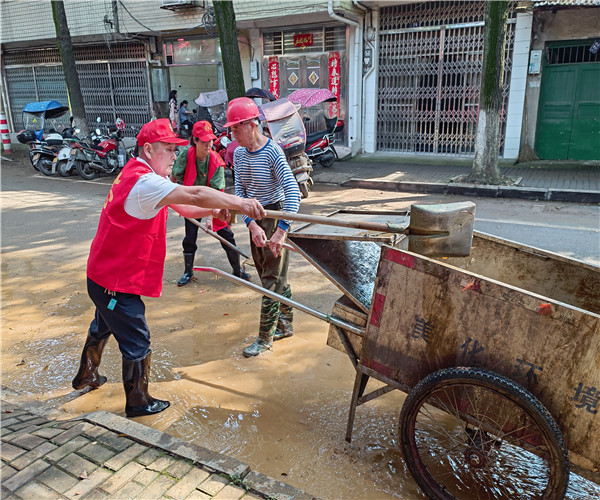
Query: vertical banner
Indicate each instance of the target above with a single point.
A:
(334, 82)
(274, 76)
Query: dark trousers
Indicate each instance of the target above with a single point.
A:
(272, 270)
(190, 246)
(125, 319)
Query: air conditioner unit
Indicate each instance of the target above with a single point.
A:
(182, 4)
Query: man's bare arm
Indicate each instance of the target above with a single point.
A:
(197, 201)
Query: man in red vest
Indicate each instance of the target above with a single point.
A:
(127, 258)
(199, 165)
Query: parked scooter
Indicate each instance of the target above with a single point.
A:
(44, 153)
(61, 161)
(185, 130)
(319, 143)
(213, 109)
(287, 130)
(35, 115)
(105, 155)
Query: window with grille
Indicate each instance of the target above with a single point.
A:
(572, 54)
(324, 39)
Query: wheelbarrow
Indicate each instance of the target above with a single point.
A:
(497, 352)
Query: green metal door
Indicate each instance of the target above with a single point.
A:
(568, 126)
(585, 133)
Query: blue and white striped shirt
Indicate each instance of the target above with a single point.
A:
(266, 176)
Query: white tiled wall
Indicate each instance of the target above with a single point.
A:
(370, 97)
(518, 80)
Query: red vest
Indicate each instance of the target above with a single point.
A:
(128, 254)
(189, 177)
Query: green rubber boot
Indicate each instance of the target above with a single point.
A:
(285, 328)
(269, 313)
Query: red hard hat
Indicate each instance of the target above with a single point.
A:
(241, 110)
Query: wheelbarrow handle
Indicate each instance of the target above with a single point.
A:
(290, 302)
(382, 227)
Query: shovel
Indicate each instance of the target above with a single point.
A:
(444, 230)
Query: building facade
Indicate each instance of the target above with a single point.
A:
(407, 73)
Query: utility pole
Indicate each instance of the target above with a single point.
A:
(67, 58)
(230, 51)
(485, 165)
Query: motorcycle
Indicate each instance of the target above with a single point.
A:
(35, 115)
(319, 142)
(287, 130)
(106, 154)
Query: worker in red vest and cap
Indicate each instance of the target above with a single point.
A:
(127, 258)
(199, 165)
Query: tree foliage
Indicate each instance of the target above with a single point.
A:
(485, 165)
(65, 47)
(230, 51)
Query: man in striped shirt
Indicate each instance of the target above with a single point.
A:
(262, 172)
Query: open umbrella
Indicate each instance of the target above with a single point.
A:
(310, 97)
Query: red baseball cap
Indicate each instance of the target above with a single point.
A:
(203, 131)
(159, 131)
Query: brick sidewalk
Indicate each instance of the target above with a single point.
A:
(100, 455)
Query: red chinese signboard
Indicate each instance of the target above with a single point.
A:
(303, 40)
(274, 76)
(334, 82)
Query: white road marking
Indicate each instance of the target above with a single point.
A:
(538, 224)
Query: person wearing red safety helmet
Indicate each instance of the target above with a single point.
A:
(262, 172)
(127, 259)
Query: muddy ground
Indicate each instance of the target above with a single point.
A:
(284, 412)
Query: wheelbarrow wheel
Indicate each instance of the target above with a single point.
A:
(471, 433)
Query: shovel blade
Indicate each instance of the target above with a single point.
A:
(444, 230)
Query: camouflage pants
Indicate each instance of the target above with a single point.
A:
(273, 276)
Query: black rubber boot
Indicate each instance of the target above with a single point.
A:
(88, 367)
(188, 274)
(242, 274)
(135, 382)
(269, 312)
(285, 328)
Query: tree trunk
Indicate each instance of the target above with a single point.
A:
(67, 58)
(230, 51)
(485, 165)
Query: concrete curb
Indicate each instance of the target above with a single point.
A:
(464, 189)
(238, 472)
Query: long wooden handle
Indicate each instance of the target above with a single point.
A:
(218, 237)
(329, 221)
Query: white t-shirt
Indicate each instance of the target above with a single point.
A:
(146, 193)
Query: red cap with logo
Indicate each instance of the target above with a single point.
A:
(159, 131)
(203, 131)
